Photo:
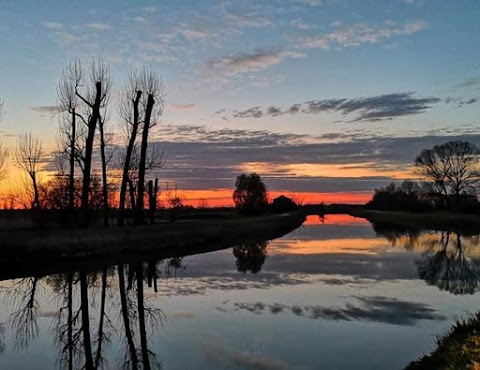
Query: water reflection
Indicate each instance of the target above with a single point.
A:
(24, 317)
(338, 284)
(83, 324)
(92, 308)
(448, 260)
(250, 256)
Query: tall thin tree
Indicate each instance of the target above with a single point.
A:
(128, 109)
(28, 155)
(95, 98)
(153, 103)
(68, 101)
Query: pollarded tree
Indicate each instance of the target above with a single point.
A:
(140, 107)
(68, 102)
(250, 195)
(453, 167)
(131, 115)
(152, 103)
(95, 98)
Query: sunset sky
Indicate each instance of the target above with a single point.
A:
(317, 96)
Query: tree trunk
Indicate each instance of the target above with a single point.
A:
(126, 317)
(141, 318)
(128, 157)
(70, 321)
(104, 174)
(131, 189)
(102, 318)
(36, 200)
(71, 178)
(143, 159)
(87, 344)
(92, 124)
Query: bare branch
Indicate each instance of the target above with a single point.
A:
(3, 162)
(27, 157)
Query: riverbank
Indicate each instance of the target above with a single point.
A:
(442, 221)
(43, 250)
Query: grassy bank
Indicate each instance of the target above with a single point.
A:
(443, 221)
(33, 250)
(459, 349)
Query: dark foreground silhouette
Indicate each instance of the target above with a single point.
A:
(457, 350)
(46, 253)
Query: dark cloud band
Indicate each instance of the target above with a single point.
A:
(375, 108)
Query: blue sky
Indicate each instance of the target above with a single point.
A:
(364, 69)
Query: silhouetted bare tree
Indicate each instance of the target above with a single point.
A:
(140, 107)
(27, 157)
(453, 167)
(94, 97)
(68, 102)
(129, 111)
(152, 103)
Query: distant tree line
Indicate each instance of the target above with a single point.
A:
(450, 181)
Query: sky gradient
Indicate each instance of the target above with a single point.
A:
(317, 96)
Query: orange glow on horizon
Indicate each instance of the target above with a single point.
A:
(340, 219)
(223, 197)
(350, 246)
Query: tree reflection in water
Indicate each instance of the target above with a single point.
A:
(250, 256)
(85, 304)
(450, 268)
(448, 260)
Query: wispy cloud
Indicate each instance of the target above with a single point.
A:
(356, 35)
(52, 25)
(221, 71)
(301, 25)
(183, 106)
(98, 26)
(247, 20)
(472, 81)
(242, 63)
(46, 109)
(235, 358)
(375, 309)
(375, 108)
(469, 101)
(460, 102)
(312, 3)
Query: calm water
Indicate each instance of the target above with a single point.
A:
(332, 295)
